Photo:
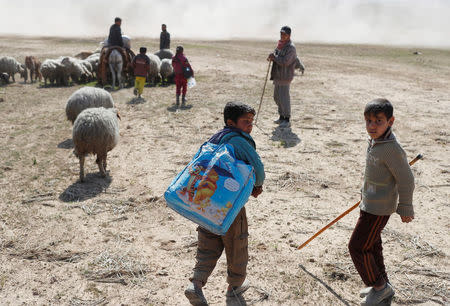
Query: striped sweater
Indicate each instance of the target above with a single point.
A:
(387, 178)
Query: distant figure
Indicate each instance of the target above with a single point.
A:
(164, 38)
(115, 33)
(282, 74)
(182, 70)
(141, 66)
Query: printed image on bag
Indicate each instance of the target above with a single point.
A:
(212, 189)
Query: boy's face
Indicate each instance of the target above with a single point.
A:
(377, 124)
(244, 123)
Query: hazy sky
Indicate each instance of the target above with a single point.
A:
(396, 22)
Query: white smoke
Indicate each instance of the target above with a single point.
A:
(392, 22)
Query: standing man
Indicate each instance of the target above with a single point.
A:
(282, 73)
(164, 38)
(115, 33)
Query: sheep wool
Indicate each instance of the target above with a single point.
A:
(95, 131)
(164, 53)
(155, 68)
(87, 97)
(11, 66)
(166, 68)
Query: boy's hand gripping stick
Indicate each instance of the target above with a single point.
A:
(346, 212)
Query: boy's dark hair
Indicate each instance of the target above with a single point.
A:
(163, 25)
(379, 105)
(142, 50)
(117, 19)
(234, 110)
(179, 49)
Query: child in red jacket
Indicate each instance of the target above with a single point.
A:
(180, 64)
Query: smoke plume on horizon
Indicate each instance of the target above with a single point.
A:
(391, 22)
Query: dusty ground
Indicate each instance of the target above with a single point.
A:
(114, 241)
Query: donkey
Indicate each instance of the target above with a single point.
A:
(115, 66)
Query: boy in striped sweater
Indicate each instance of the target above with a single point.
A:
(388, 188)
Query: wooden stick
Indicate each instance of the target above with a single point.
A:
(262, 95)
(345, 212)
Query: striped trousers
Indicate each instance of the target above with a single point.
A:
(366, 249)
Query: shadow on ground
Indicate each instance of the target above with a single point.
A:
(331, 290)
(137, 100)
(66, 144)
(175, 108)
(93, 185)
(285, 136)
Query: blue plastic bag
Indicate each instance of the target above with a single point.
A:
(212, 188)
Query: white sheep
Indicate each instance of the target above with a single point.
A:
(87, 97)
(93, 60)
(53, 71)
(96, 131)
(11, 66)
(155, 68)
(166, 69)
(75, 69)
(4, 78)
(164, 53)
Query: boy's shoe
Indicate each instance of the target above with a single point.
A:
(135, 91)
(285, 123)
(365, 291)
(234, 296)
(237, 300)
(195, 295)
(382, 297)
(279, 120)
(239, 290)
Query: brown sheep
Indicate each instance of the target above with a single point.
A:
(34, 65)
(83, 55)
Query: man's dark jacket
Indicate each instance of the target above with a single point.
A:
(115, 36)
(164, 40)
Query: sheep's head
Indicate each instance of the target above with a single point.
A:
(23, 72)
(66, 61)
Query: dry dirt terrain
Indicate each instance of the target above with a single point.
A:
(113, 241)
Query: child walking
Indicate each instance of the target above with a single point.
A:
(141, 67)
(387, 178)
(180, 63)
(238, 119)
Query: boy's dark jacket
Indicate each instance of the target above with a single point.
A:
(244, 149)
(141, 65)
(178, 62)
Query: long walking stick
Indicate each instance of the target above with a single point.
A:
(346, 212)
(262, 95)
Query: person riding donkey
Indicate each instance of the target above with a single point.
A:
(115, 42)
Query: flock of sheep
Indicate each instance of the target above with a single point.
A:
(81, 68)
(55, 71)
